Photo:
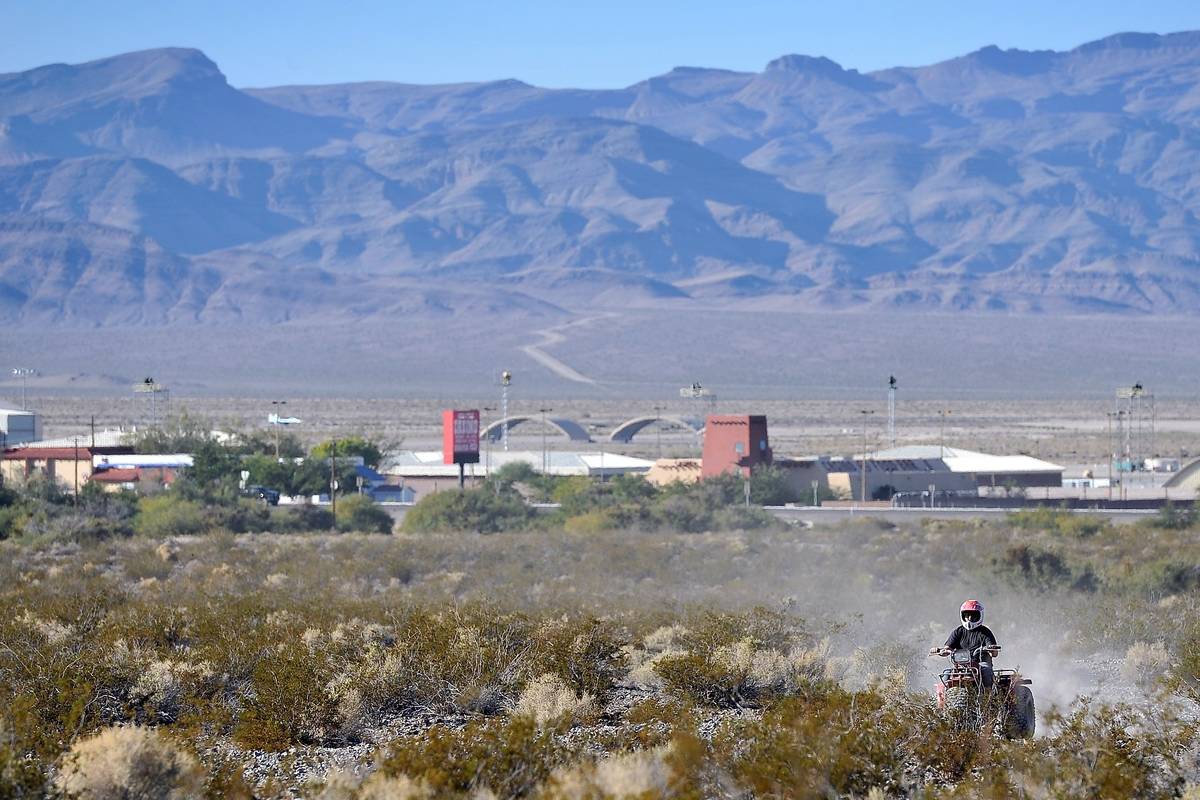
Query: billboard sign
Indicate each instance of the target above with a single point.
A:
(460, 437)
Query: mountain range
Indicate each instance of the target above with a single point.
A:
(144, 189)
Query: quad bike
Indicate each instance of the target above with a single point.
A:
(1008, 707)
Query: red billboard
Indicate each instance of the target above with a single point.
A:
(460, 437)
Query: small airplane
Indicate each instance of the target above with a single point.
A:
(275, 419)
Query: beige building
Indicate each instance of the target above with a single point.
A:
(69, 467)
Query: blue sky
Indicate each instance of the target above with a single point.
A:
(554, 42)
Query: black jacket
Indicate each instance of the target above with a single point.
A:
(963, 639)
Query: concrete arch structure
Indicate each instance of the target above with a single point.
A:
(1187, 478)
(567, 427)
(632, 427)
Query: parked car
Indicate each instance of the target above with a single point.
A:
(268, 496)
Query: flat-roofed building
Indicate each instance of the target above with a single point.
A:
(18, 427)
(985, 469)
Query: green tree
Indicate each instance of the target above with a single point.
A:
(350, 446)
(213, 475)
(480, 510)
(180, 434)
(359, 513)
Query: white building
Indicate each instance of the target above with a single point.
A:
(19, 427)
(985, 469)
(423, 470)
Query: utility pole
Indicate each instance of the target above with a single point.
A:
(658, 431)
(863, 475)
(487, 445)
(544, 412)
(942, 414)
(76, 470)
(333, 483)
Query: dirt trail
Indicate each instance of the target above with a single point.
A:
(553, 336)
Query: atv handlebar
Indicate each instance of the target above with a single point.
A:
(990, 649)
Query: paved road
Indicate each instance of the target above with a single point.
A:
(832, 515)
(835, 515)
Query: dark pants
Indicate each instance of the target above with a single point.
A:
(985, 673)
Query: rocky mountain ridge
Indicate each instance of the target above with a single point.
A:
(144, 189)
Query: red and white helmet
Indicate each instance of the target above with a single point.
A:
(971, 613)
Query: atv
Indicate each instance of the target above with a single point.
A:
(1008, 708)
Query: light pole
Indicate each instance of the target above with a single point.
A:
(658, 431)
(487, 445)
(544, 412)
(505, 382)
(23, 373)
(276, 414)
(892, 386)
(942, 414)
(863, 477)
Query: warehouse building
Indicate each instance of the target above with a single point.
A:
(843, 477)
(984, 469)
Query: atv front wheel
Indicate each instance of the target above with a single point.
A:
(1020, 718)
(962, 708)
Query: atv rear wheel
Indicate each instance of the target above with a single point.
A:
(962, 708)
(1020, 718)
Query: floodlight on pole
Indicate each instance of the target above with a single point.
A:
(505, 382)
(24, 373)
(892, 386)
(154, 389)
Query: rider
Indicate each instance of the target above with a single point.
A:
(972, 635)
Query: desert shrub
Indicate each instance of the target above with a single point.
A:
(587, 655)
(52, 667)
(1145, 663)
(830, 744)
(242, 515)
(590, 522)
(1161, 577)
(1058, 521)
(169, 514)
(1109, 751)
(12, 521)
(1173, 517)
(288, 701)
(303, 518)
(1042, 570)
(1184, 675)
(716, 503)
(129, 764)
(477, 510)
(734, 661)
(547, 699)
(359, 513)
(509, 757)
(640, 774)
(769, 486)
(20, 775)
(471, 659)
